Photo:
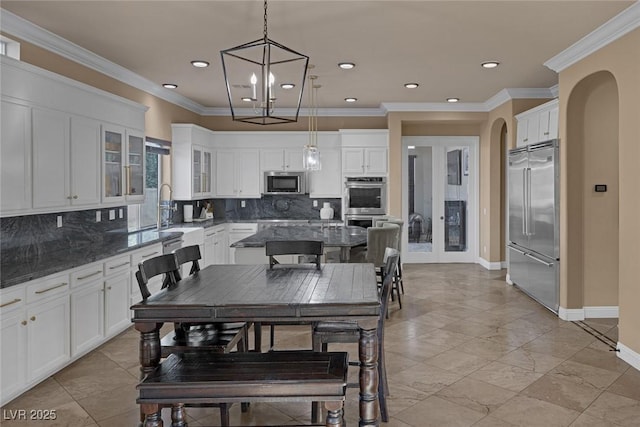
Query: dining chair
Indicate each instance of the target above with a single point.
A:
(273, 248)
(378, 239)
(349, 332)
(314, 248)
(398, 284)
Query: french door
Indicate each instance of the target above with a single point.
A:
(439, 198)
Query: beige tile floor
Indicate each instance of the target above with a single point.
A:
(466, 350)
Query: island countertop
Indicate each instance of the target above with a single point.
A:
(332, 237)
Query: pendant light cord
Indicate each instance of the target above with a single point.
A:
(265, 21)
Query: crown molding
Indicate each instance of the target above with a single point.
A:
(29, 32)
(621, 24)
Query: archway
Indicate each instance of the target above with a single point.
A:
(592, 233)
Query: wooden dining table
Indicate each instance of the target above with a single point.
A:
(286, 293)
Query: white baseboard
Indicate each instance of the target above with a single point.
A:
(490, 265)
(629, 356)
(601, 312)
(573, 314)
(504, 264)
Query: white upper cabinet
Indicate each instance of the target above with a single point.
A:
(124, 165)
(327, 182)
(237, 173)
(66, 158)
(192, 162)
(364, 152)
(281, 159)
(538, 124)
(55, 156)
(15, 161)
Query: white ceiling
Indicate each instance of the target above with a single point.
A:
(439, 44)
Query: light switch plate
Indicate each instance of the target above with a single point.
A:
(315, 203)
(59, 221)
(242, 204)
(112, 214)
(120, 213)
(98, 216)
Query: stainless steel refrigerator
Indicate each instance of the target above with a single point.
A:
(534, 234)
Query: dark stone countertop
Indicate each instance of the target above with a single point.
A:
(112, 244)
(332, 237)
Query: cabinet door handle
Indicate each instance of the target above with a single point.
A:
(42, 291)
(90, 275)
(546, 133)
(32, 318)
(128, 168)
(10, 302)
(23, 323)
(113, 267)
(212, 234)
(148, 255)
(75, 197)
(108, 288)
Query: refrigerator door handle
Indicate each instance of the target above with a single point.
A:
(517, 250)
(530, 225)
(548, 264)
(524, 202)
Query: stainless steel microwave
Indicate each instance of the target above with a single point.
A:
(277, 182)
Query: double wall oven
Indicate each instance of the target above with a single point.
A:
(365, 199)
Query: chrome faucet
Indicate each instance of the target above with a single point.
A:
(171, 208)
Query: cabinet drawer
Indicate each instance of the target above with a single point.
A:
(47, 287)
(117, 265)
(12, 298)
(143, 254)
(86, 274)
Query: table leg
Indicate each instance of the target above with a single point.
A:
(368, 354)
(345, 253)
(149, 351)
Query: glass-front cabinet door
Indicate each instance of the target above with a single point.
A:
(197, 170)
(206, 172)
(135, 167)
(113, 166)
(123, 165)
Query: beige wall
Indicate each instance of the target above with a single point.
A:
(622, 59)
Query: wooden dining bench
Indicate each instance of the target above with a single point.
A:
(282, 376)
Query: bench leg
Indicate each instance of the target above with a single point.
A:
(335, 414)
(224, 414)
(151, 414)
(368, 354)
(178, 416)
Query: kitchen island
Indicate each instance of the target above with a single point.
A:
(251, 249)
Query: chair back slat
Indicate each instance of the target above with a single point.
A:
(294, 247)
(391, 256)
(189, 254)
(163, 264)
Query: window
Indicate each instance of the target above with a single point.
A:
(145, 215)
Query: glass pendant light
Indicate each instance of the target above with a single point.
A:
(311, 154)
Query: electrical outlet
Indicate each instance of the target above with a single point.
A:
(484, 249)
(98, 216)
(484, 211)
(315, 203)
(112, 214)
(121, 213)
(243, 204)
(59, 221)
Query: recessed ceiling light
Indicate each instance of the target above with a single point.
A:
(490, 64)
(287, 85)
(200, 64)
(169, 85)
(411, 85)
(346, 65)
(351, 99)
(453, 99)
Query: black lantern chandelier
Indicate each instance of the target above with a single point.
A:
(265, 80)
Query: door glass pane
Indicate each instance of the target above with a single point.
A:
(456, 193)
(136, 165)
(113, 164)
(420, 199)
(197, 171)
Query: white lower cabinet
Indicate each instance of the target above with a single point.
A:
(87, 317)
(13, 349)
(116, 303)
(215, 246)
(48, 337)
(238, 232)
